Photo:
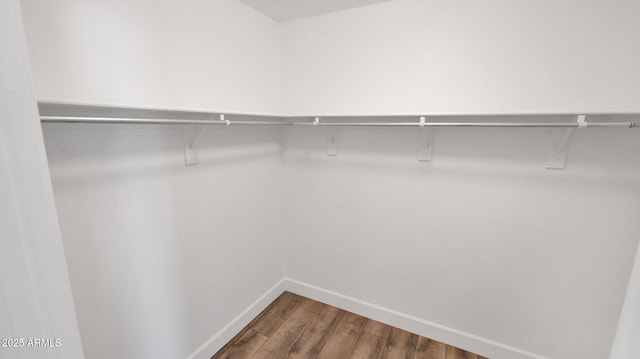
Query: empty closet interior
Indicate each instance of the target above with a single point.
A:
(464, 170)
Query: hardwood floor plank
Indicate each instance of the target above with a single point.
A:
(376, 328)
(455, 353)
(312, 305)
(400, 344)
(430, 349)
(313, 339)
(268, 309)
(245, 346)
(283, 338)
(255, 320)
(368, 346)
(273, 319)
(343, 338)
(372, 340)
(295, 327)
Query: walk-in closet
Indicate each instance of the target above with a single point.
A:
(265, 179)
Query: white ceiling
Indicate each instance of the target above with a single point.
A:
(283, 10)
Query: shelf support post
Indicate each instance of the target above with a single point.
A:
(425, 141)
(331, 133)
(191, 142)
(557, 158)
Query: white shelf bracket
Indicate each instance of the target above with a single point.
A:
(332, 137)
(557, 158)
(425, 141)
(191, 142)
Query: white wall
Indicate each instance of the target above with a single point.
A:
(482, 240)
(443, 56)
(200, 54)
(35, 294)
(161, 256)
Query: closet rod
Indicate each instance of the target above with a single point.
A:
(155, 121)
(474, 124)
(118, 120)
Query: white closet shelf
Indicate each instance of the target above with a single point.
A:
(69, 112)
(65, 112)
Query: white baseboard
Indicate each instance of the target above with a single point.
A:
(222, 337)
(454, 337)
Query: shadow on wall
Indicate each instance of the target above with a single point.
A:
(594, 154)
(90, 156)
(126, 275)
(133, 243)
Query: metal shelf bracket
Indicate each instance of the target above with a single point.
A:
(191, 141)
(425, 141)
(557, 158)
(331, 133)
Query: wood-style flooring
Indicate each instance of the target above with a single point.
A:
(298, 327)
